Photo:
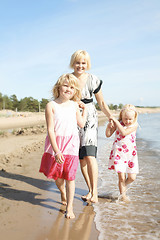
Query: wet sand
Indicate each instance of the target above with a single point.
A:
(30, 203)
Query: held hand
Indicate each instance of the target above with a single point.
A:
(112, 119)
(59, 158)
(111, 124)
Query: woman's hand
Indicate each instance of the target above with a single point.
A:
(111, 122)
(112, 119)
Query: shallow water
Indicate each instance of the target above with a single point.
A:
(140, 218)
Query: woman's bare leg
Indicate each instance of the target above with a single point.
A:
(60, 182)
(84, 170)
(91, 176)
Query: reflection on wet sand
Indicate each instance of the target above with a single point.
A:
(67, 229)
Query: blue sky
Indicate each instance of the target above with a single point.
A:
(122, 37)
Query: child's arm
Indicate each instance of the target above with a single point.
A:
(49, 114)
(81, 118)
(110, 129)
(122, 130)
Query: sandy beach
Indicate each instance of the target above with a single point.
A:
(30, 203)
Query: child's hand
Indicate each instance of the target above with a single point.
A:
(59, 158)
(81, 105)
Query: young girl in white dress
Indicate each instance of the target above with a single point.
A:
(60, 159)
(123, 157)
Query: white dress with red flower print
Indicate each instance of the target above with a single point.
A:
(123, 156)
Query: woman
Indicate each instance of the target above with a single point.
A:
(89, 85)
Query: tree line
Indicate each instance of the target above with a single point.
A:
(111, 106)
(33, 105)
(26, 104)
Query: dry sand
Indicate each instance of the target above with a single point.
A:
(30, 203)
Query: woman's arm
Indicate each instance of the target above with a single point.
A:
(122, 130)
(49, 114)
(103, 106)
(81, 118)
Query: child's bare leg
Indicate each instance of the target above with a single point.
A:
(60, 182)
(122, 184)
(70, 189)
(131, 178)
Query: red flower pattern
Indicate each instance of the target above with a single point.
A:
(134, 153)
(130, 164)
(122, 147)
(117, 157)
(125, 150)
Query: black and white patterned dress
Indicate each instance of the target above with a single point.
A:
(88, 134)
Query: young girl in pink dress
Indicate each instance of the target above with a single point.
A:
(60, 158)
(123, 158)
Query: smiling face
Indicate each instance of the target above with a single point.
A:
(80, 66)
(66, 90)
(128, 117)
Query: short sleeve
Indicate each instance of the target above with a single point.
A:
(96, 84)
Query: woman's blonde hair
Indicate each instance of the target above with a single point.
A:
(128, 107)
(72, 81)
(79, 55)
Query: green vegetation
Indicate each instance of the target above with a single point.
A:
(33, 105)
(111, 106)
(26, 104)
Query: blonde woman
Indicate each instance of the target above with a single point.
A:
(90, 86)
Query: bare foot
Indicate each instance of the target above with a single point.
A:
(123, 198)
(86, 197)
(126, 199)
(94, 198)
(69, 215)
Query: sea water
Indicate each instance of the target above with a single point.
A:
(140, 218)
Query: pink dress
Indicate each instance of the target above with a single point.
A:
(123, 156)
(65, 128)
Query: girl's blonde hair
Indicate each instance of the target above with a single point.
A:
(72, 81)
(79, 55)
(128, 107)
